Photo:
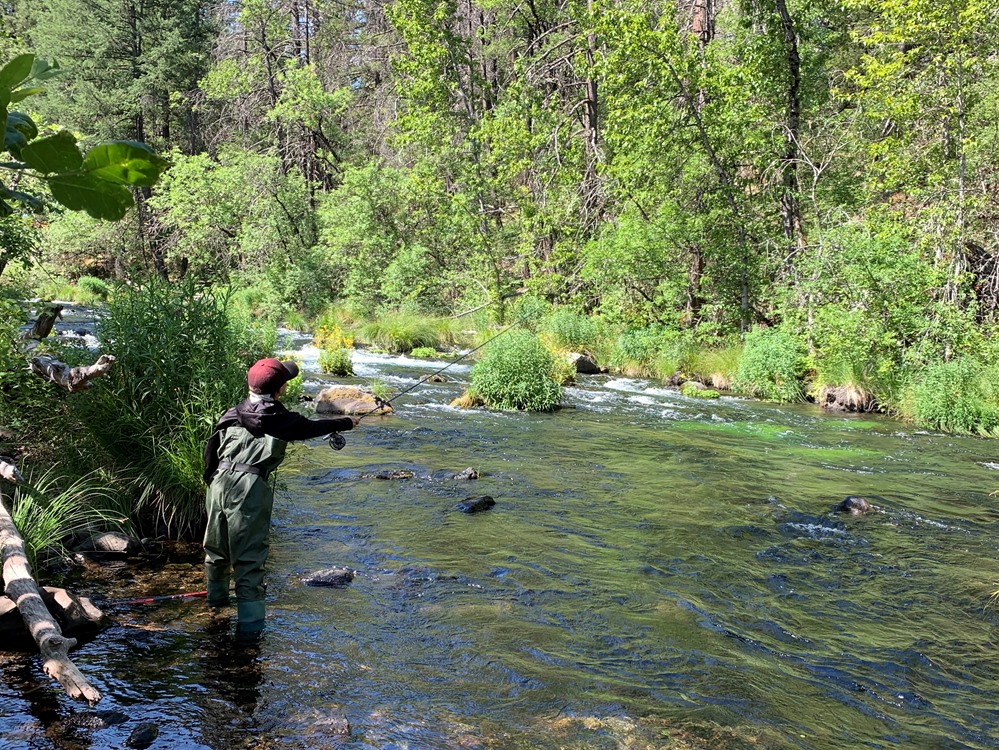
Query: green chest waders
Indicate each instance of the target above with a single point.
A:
(239, 503)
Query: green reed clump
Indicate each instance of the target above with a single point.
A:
(717, 366)
(181, 359)
(959, 396)
(50, 509)
(400, 332)
(336, 361)
(567, 329)
(517, 372)
(772, 365)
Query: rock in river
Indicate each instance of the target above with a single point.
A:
(331, 578)
(476, 504)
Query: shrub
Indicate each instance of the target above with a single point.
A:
(958, 396)
(181, 361)
(336, 362)
(530, 311)
(516, 372)
(96, 288)
(771, 365)
(401, 332)
(567, 329)
(717, 367)
(425, 352)
(692, 389)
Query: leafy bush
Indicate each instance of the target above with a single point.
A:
(771, 365)
(181, 361)
(529, 311)
(517, 373)
(96, 288)
(958, 396)
(425, 352)
(567, 329)
(336, 362)
(691, 389)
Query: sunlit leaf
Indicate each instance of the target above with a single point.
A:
(16, 71)
(125, 163)
(99, 198)
(56, 154)
(16, 96)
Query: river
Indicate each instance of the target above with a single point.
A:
(657, 570)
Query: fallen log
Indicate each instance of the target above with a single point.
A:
(48, 314)
(73, 379)
(21, 588)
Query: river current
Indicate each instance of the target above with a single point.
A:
(657, 570)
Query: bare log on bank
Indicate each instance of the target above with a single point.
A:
(73, 379)
(21, 588)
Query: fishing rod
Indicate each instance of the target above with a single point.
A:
(338, 442)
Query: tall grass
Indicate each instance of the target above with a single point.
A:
(181, 359)
(717, 367)
(401, 332)
(52, 508)
(772, 365)
(960, 396)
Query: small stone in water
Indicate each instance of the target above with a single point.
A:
(855, 506)
(468, 473)
(332, 578)
(476, 504)
(142, 736)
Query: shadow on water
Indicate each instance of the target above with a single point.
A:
(657, 572)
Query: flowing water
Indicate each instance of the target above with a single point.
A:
(656, 570)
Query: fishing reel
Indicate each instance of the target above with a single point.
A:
(337, 441)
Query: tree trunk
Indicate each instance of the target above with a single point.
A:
(21, 588)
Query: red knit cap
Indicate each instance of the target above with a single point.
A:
(268, 375)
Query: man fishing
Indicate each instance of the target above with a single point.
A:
(247, 446)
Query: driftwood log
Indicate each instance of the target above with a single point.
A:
(20, 587)
(48, 314)
(73, 379)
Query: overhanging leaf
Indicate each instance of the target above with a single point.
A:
(55, 154)
(99, 198)
(16, 71)
(125, 163)
(16, 96)
(41, 70)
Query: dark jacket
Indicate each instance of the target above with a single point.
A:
(268, 417)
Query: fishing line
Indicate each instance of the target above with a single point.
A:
(338, 442)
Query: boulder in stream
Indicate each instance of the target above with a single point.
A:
(476, 504)
(466, 474)
(334, 578)
(110, 544)
(143, 736)
(348, 399)
(854, 505)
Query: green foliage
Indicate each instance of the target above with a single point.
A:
(20, 391)
(401, 332)
(567, 329)
(18, 241)
(96, 288)
(51, 508)
(772, 365)
(717, 366)
(690, 389)
(181, 360)
(517, 372)
(336, 362)
(958, 396)
(425, 352)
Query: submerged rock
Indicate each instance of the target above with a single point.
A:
(468, 473)
(110, 544)
(330, 578)
(396, 474)
(143, 736)
(854, 505)
(94, 719)
(476, 504)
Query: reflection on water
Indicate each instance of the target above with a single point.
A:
(655, 567)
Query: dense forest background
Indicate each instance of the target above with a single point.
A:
(692, 171)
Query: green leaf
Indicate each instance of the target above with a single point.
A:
(26, 199)
(5, 210)
(16, 71)
(125, 163)
(16, 96)
(99, 198)
(56, 154)
(41, 70)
